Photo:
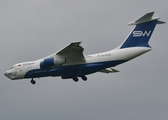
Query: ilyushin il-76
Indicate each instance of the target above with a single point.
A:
(71, 63)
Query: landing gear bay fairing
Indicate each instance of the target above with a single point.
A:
(70, 63)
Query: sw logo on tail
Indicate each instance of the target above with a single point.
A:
(71, 63)
(140, 33)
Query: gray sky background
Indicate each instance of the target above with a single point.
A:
(32, 29)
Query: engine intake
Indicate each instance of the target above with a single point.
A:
(51, 62)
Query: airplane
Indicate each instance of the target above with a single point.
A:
(71, 63)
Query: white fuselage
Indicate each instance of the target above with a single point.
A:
(18, 71)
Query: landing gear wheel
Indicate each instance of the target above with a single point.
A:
(32, 81)
(84, 78)
(75, 79)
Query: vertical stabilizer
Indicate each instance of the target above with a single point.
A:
(140, 35)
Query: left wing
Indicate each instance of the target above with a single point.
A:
(73, 53)
(108, 70)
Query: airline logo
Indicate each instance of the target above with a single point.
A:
(141, 33)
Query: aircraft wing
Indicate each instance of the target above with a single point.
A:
(108, 70)
(73, 53)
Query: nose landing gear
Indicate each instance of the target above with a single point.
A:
(33, 81)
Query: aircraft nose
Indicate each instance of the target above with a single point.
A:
(6, 74)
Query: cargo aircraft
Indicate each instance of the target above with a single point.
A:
(71, 63)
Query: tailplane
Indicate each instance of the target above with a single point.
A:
(140, 35)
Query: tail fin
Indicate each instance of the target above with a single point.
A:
(142, 32)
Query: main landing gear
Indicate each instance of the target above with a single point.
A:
(33, 81)
(75, 79)
(84, 78)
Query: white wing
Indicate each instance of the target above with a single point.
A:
(108, 70)
(73, 53)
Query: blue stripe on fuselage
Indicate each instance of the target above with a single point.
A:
(73, 70)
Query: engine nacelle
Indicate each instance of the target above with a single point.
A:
(51, 62)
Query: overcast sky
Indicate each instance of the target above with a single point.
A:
(32, 29)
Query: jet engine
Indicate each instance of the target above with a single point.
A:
(51, 62)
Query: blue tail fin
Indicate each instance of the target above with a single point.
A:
(140, 35)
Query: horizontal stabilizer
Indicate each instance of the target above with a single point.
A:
(108, 70)
(160, 22)
(146, 18)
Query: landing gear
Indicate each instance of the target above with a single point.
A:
(84, 78)
(32, 81)
(75, 79)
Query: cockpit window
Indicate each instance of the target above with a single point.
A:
(16, 65)
(12, 67)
